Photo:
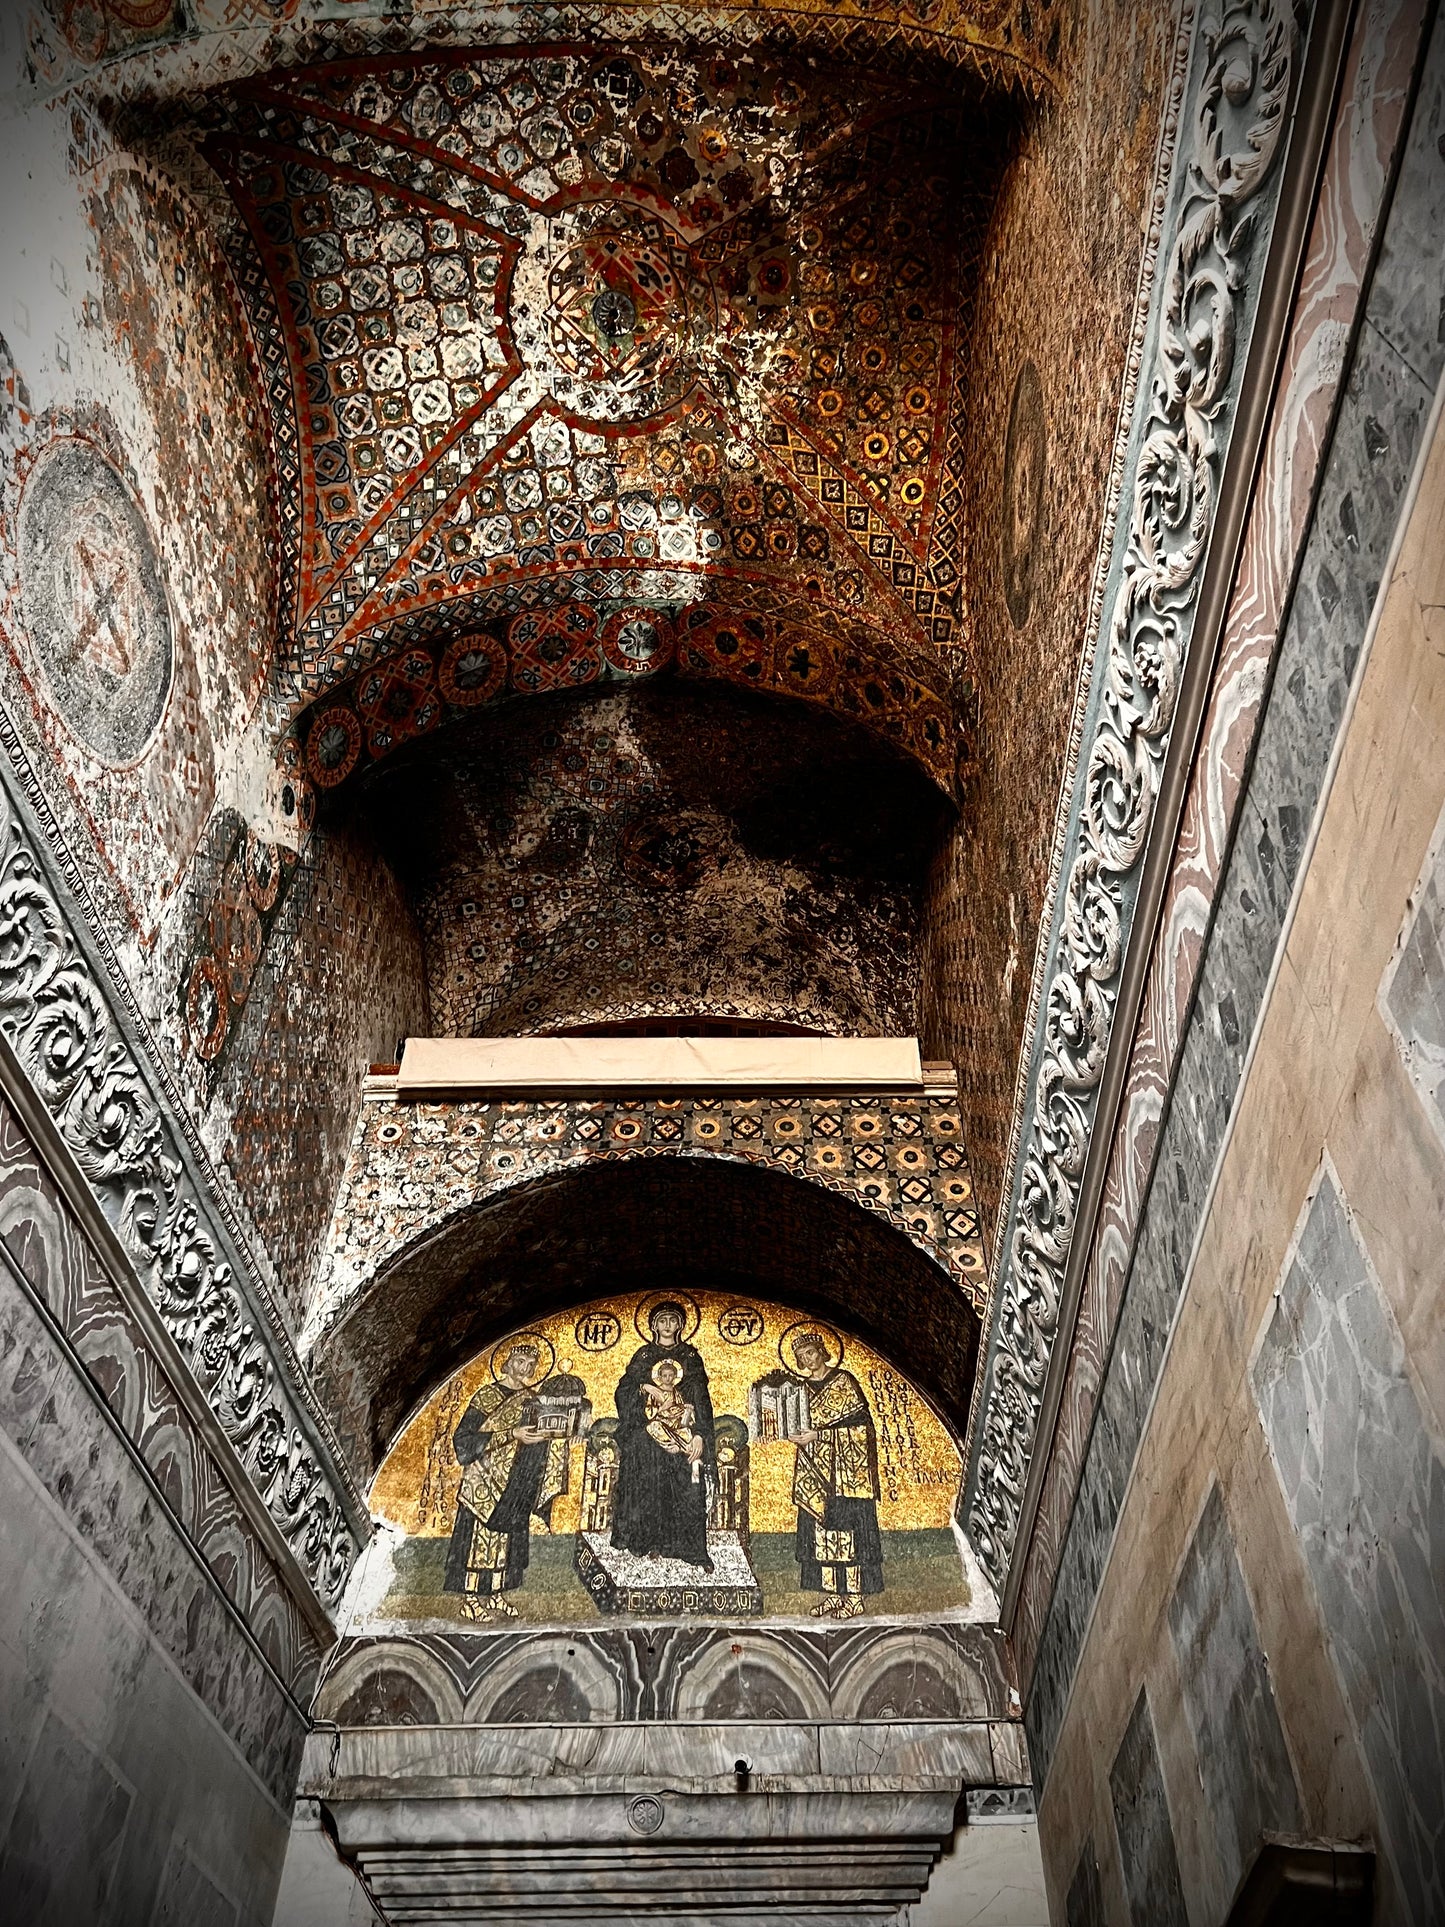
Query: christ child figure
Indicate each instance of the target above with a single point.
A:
(670, 1419)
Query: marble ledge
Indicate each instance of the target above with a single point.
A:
(448, 1762)
(478, 1823)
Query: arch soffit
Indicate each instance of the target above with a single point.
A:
(356, 1273)
(550, 1241)
(410, 692)
(1009, 44)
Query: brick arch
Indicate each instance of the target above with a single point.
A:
(592, 1226)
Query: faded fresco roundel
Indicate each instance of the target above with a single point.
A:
(1022, 513)
(94, 602)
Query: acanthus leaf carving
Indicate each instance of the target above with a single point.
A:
(55, 1014)
(1244, 62)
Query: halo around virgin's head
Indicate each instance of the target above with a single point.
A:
(644, 1308)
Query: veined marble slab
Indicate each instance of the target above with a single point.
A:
(1364, 1482)
(437, 1066)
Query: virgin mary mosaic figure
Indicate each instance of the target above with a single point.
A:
(513, 1470)
(666, 1452)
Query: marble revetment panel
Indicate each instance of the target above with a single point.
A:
(68, 1774)
(1146, 1834)
(1412, 997)
(1084, 1906)
(1364, 1482)
(1244, 1763)
(1383, 409)
(695, 1670)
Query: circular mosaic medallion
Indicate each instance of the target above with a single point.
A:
(94, 603)
(553, 648)
(638, 641)
(472, 670)
(666, 849)
(609, 310)
(333, 746)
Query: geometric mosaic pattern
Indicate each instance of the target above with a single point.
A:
(414, 1165)
(455, 1220)
(559, 345)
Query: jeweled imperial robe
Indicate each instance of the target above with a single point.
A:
(835, 1488)
(505, 1485)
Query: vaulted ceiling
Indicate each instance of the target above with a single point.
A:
(590, 365)
(641, 574)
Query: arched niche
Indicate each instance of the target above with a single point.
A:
(705, 1222)
(657, 848)
(674, 1451)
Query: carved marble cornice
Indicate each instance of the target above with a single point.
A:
(1232, 127)
(73, 1024)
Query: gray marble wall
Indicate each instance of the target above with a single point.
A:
(122, 1800)
(1147, 1856)
(1398, 357)
(1244, 1764)
(1085, 1904)
(1364, 1482)
(1413, 997)
(153, 1668)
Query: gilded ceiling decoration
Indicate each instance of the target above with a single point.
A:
(589, 365)
(180, 43)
